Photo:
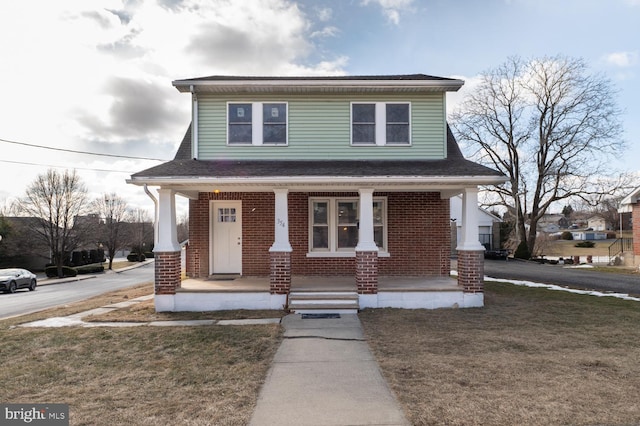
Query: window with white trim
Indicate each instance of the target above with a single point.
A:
(334, 224)
(381, 123)
(257, 123)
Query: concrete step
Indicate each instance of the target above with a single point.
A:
(329, 302)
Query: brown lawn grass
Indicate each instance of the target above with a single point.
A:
(137, 375)
(567, 248)
(530, 357)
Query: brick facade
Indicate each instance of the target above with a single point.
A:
(635, 216)
(167, 272)
(280, 276)
(418, 232)
(471, 271)
(367, 272)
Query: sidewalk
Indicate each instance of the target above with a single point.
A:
(325, 374)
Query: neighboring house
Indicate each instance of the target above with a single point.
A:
(551, 223)
(488, 225)
(631, 204)
(318, 183)
(588, 235)
(598, 223)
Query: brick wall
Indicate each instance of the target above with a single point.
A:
(167, 272)
(280, 278)
(418, 235)
(635, 216)
(258, 212)
(367, 272)
(471, 270)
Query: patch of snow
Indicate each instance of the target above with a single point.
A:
(623, 296)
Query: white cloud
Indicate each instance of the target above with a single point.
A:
(391, 8)
(622, 59)
(96, 75)
(324, 14)
(325, 32)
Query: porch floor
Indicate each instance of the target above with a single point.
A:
(317, 283)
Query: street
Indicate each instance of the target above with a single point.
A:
(557, 274)
(49, 296)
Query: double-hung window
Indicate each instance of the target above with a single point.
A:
(381, 123)
(334, 224)
(257, 123)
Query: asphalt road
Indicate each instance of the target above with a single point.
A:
(48, 296)
(558, 274)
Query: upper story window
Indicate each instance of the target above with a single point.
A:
(380, 123)
(257, 123)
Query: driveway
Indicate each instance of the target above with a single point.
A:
(580, 278)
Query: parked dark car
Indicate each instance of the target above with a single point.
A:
(15, 278)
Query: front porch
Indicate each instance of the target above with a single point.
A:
(224, 293)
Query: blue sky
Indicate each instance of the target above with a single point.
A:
(95, 75)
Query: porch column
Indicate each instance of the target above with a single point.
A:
(167, 250)
(470, 251)
(635, 214)
(280, 251)
(366, 250)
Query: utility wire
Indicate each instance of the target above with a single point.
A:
(64, 167)
(81, 152)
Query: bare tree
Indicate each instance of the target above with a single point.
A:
(55, 199)
(141, 231)
(112, 210)
(183, 227)
(551, 128)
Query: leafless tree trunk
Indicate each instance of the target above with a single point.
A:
(113, 210)
(551, 128)
(141, 231)
(55, 200)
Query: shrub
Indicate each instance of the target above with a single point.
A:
(90, 269)
(585, 244)
(52, 271)
(566, 235)
(522, 252)
(135, 257)
(148, 254)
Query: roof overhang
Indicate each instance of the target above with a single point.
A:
(448, 186)
(626, 205)
(320, 85)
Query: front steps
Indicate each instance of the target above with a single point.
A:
(324, 302)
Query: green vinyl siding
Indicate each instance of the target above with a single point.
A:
(320, 128)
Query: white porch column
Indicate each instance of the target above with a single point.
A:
(167, 233)
(366, 241)
(281, 242)
(470, 239)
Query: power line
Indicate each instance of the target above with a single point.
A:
(81, 152)
(64, 167)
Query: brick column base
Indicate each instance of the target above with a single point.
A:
(167, 272)
(280, 276)
(471, 271)
(367, 272)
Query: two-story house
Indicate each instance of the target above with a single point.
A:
(318, 183)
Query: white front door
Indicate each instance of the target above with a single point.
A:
(226, 245)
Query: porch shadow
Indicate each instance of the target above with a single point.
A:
(243, 284)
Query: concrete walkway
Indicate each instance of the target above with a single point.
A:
(325, 374)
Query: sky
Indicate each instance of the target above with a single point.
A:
(95, 75)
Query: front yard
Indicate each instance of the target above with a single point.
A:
(530, 357)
